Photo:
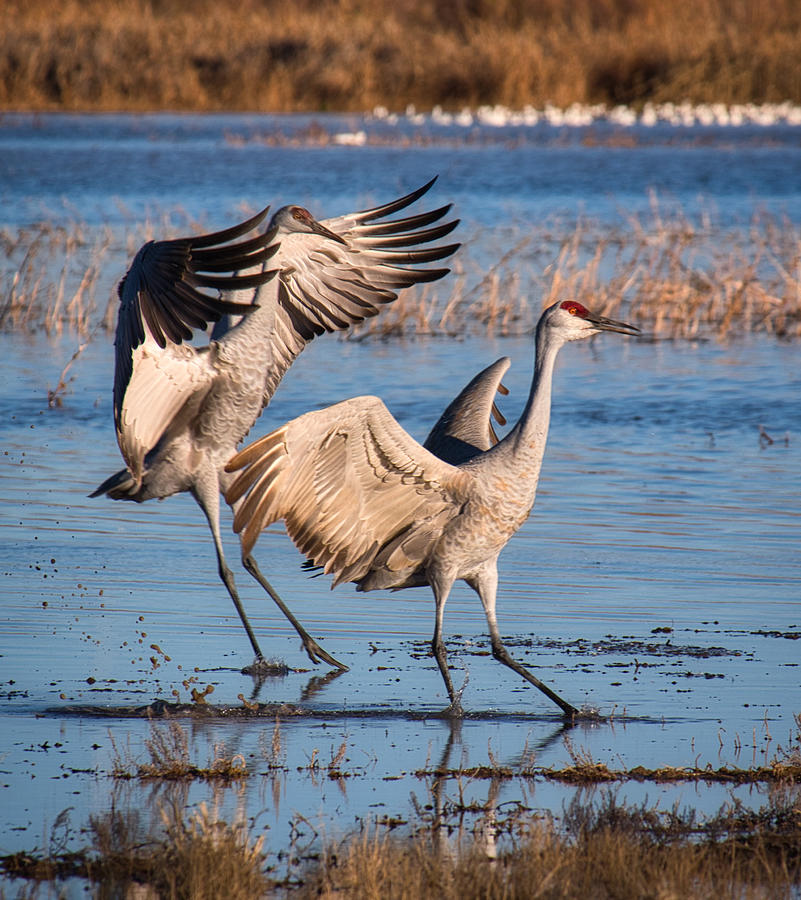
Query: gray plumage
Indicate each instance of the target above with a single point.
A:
(369, 504)
(180, 410)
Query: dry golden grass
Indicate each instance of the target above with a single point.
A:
(604, 863)
(672, 276)
(594, 850)
(351, 55)
(193, 857)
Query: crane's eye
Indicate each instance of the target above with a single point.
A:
(575, 308)
(297, 213)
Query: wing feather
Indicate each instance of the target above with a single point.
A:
(163, 381)
(162, 295)
(347, 481)
(328, 286)
(465, 428)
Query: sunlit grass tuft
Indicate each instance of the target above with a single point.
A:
(170, 758)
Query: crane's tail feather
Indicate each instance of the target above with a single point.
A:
(120, 486)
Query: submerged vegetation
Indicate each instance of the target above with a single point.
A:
(265, 55)
(674, 276)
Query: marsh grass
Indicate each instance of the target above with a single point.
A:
(597, 847)
(781, 767)
(673, 275)
(600, 860)
(340, 55)
(192, 857)
(62, 278)
(170, 758)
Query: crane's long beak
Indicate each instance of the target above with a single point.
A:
(604, 324)
(326, 232)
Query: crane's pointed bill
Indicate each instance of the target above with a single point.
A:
(326, 232)
(604, 324)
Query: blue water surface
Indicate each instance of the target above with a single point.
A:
(657, 580)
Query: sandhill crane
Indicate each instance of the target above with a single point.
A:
(180, 411)
(366, 502)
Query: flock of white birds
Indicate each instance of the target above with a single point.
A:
(580, 115)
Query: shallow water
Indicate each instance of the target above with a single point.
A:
(658, 509)
(120, 169)
(658, 578)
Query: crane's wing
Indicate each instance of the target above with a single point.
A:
(354, 489)
(465, 428)
(161, 294)
(328, 286)
(161, 302)
(162, 383)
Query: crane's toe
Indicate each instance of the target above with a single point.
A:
(317, 654)
(261, 668)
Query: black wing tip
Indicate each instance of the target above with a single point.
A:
(386, 209)
(178, 307)
(227, 234)
(426, 275)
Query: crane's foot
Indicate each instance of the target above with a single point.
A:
(317, 654)
(455, 710)
(261, 668)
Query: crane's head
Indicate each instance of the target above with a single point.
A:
(294, 219)
(571, 321)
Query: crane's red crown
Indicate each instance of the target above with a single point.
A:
(575, 308)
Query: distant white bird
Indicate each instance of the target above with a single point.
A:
(366, 502)
(180, 411)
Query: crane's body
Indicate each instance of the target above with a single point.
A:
(364, 500)
(180, 411)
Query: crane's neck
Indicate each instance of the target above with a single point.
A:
(527, 439)
(253, 329)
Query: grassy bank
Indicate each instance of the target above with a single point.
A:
(349, 55)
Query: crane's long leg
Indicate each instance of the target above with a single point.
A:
(442, 587)
(314, 650)
(209, 501)
(486, 586)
